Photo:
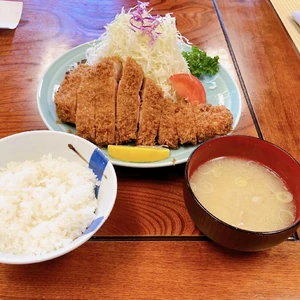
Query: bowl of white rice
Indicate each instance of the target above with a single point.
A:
(56, 191)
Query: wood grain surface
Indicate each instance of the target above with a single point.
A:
(149, 248)
(149, 202)
(157, 270)
(270, 67)
(269, 64)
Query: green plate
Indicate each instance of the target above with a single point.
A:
(225, 92)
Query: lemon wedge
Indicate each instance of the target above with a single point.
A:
(137, 153)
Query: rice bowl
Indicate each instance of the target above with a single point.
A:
(34, 145)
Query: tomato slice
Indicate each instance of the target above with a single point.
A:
(188, 87)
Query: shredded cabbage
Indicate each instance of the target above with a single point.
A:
(154, 42)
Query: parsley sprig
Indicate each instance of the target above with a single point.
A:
(201, 64)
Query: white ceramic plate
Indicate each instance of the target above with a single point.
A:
(226, 92)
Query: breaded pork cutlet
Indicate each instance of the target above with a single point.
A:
(96, 97)
(185, 123)
(152, 98)
(108, 73)
(65, 98)
(212, 121)
(128, 101)
(167, 132)
(85, 112)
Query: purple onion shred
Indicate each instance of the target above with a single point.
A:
(143, 21)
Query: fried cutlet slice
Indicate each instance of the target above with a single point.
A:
(185, 123)
(65, 98)
(167, 132)
(152, 98)
(212, 121)
(128, 101)
(107, 75)
(85, 112)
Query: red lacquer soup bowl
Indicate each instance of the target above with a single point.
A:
(249, 148)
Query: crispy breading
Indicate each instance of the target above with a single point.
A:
(151, 108)
(85, 113)
(185, 123)
(167, 132)
(128, 101)
(96, 96)
(106, 106)
(65, 98)
(212, 121)
(106, 74)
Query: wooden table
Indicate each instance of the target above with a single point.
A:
(149, 248)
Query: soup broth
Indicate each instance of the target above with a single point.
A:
(244, 194)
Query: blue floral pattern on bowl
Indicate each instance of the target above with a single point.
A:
(97, 163)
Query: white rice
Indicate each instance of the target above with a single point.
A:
(44, 205)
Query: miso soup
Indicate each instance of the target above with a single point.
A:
(244, 194)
